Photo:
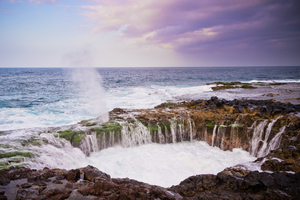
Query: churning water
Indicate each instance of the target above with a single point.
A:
(166, 164)
(31, 98)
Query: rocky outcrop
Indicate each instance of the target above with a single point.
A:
(267, 129)
(62, 184)
(236, 184)
(232, 183)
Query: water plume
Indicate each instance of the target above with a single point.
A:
(88, 83)
(90, 89)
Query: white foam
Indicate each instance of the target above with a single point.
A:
(148, 97)
(52, 114)
(168, 164)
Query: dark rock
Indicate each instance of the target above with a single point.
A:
(57, 182)
(238, 109)
(3, 197)
(93, 174)
(253, 185)
(214, 99)
(69, 185)
(267, 180)
(29, 193)
(213, 106)
(41, 175)
(73, 175)
(58, 194)
(26, 185)
(4, 181)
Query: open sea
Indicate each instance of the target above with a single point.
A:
(42, 97)
(33, 99)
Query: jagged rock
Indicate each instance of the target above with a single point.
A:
(29, 193)
(43, 175)
(253, 185)
(197, 117)
(73, 175)
(4, 181)
(118, 110)
(56, 193)
(93, 174)
(231, 183)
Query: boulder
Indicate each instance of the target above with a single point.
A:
(93, 174)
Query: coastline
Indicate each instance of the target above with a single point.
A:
(286, 92)
(235, 182)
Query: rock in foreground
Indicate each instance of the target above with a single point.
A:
(90, 183)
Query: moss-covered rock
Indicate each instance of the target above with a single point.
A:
(90, 124)
(16, 153)
(34, 141)
(210, 124)
(5, 146)
(153, 128)
(166, 105)
(107, 128)
(74, 137)
(231, 85)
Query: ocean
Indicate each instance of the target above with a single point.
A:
(32, 100)
(31, 97)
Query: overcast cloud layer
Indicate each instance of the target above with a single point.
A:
(200, 32)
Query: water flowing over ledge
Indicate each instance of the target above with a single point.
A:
(267, 130)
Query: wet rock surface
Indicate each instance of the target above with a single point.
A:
(221, 123)
(57, 184)
(228, 185)
(263, 107)
(231, 183)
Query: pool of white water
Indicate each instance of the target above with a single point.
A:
(166, 164)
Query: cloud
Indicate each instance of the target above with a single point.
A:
(193, 25)
(43, 1)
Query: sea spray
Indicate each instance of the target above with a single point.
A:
(91, 91)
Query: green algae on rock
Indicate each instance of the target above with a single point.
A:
(74, 137)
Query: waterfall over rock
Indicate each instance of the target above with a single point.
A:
(259, 133)
(252, 134)
(271, 137)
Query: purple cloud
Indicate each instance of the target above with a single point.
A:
(192, 25)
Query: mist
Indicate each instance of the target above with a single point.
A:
(88, 83)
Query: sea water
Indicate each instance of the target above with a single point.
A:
(53, 97)
(33, 99)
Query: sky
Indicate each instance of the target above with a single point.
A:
(149, 33)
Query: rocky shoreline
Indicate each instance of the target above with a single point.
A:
(90, 183)
(221, 123)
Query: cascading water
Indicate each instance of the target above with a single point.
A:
(160, 135)
(259, 143)
(257, 135)
(275, 142)
(98, 145)
(221, 133)
(135, 134)
(214, 135)
(173, 128)
(90, 144)
(263, 150)
(191, 130)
